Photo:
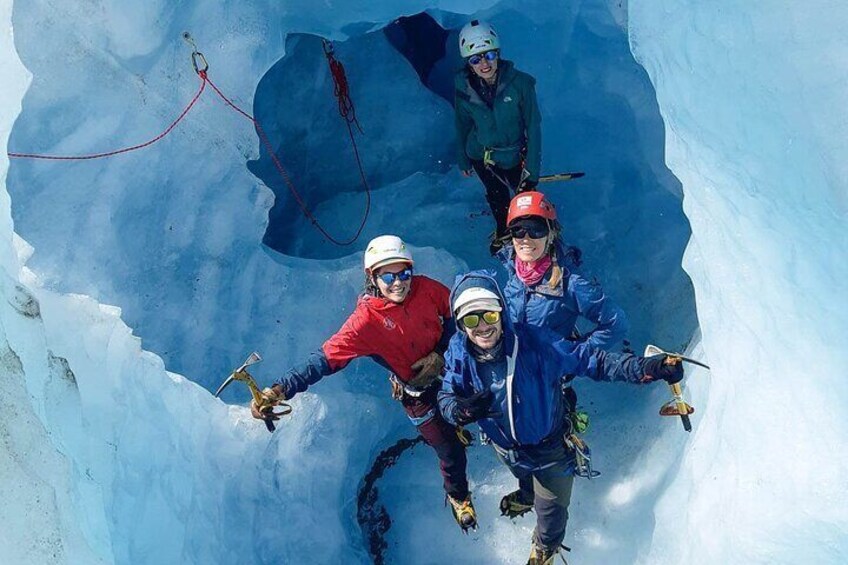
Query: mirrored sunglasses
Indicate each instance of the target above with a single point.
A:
(472, 320)
(477, 59)
(390, 278)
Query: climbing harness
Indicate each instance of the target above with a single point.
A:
(400, 388)
(201, 68)
(261, 402)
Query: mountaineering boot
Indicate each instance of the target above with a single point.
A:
(516, 504)
(463, 512)
(541, 556)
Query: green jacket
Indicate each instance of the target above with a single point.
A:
(513, 120)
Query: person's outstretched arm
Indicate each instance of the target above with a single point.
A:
(344, 346)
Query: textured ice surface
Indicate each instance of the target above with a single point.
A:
(754, 106)
(107, 457)
(172, 234)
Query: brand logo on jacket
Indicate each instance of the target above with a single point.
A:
(507, 98)
(389, 323)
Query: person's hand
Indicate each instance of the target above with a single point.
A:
(467, 172)
(664, 367)
(427, 369)
(527, 185)
(271, 397)
(473, 408)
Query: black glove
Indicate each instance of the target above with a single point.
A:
(664, 367)
(527, 185)
(472, 408)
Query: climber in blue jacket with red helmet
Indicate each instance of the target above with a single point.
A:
(542, 291)
(507, 377)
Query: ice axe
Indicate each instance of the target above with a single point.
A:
(677, 406)
(557, 177)
(242, 375)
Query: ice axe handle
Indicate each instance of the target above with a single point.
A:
(681, 406)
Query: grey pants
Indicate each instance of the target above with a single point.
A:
(552, 475)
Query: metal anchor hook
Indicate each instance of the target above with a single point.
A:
(198, 61)
(190, 40)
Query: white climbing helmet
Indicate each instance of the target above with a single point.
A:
(385, 250)
(477, 37)
(474, 299)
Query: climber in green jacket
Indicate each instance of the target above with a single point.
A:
(498, 123)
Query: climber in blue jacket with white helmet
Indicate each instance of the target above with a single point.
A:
(507, 377)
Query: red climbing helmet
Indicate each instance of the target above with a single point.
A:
(531, 204)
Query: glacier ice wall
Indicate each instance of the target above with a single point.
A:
(171, 234)
(753, 97)
(134, 452)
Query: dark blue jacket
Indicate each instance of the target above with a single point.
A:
(528, 407)
(557, 308)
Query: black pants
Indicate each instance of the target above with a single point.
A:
(498, 194)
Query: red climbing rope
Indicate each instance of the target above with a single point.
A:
(117, 151)
(346, 110)
(340, 88)
(285, 176)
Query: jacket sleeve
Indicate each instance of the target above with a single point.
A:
(344, 346)
(533, 125)
(350, 342)
(451, 387)
(464, 125)
(598, 365)
(301, 376)
(441, 295)
(610, 321)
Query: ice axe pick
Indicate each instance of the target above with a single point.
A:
(264, 406)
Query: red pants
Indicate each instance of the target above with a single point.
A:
(441, 436)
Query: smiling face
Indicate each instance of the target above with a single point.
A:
(528, 249)
(485, 69)
(530, 238)
(397, 290)
(485, 336)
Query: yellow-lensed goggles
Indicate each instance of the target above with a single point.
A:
(472, 320)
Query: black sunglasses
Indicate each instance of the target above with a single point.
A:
(531, 231)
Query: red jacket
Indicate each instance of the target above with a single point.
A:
(399, 334)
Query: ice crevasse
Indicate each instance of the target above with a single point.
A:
(107, 457)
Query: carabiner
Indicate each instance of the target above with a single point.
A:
(198, 61)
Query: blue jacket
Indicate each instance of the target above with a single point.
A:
(557, 308)
(527, 408)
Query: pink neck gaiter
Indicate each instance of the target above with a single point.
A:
(532, 275)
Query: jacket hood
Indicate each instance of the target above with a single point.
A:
(479, 279)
